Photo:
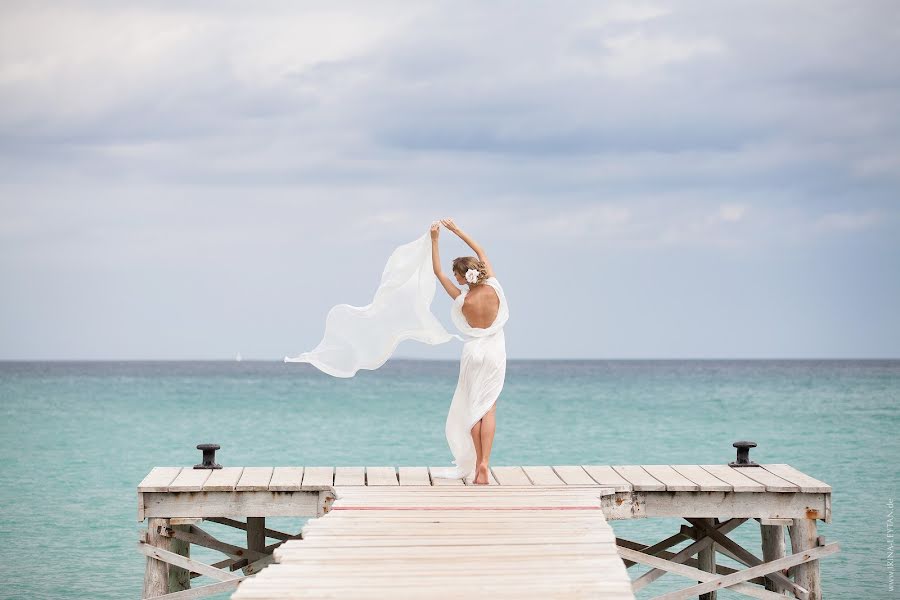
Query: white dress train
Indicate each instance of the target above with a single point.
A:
(482, 372)
(364, 337)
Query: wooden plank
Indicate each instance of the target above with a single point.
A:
(706, 480)
(733, 477)
(449, 528)
(574, 475)
(223, 480)
(414, 476)
(686, 552)
(184, 562)
(232, 504)
(349, 476)
(454, 549)
(434, 491)
(507, 585)
(318, 476)
(381, 476)
(639, 478)
(440, 481)
(158, 479)
(199, 537)
(514, 541)
(206, 590)
(381, 565)
(272, 533)
(802, 480)
(807, 557)
(190, 480)
(480, 501)
(741, 554)
(510, 476)
(680, 569)
(726, 505)
(773, 482)
(254, 479)
(541, 475)
(286, 479)
(607, 477)
(673, 480)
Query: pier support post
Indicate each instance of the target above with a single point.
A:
(803, 537)
(706, 561)
(256, 535)
(156, 572)
(179, 579)
(161, 577)
(773, 547)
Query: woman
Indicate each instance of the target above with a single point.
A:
(480, 312)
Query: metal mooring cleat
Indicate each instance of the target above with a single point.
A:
(743, 455)
(209, 456)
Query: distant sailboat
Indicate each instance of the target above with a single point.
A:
(238, 357)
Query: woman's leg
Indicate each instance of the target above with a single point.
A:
(476, 437)
(488, 426)
(486, 433)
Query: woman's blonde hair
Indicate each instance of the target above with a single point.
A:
(464, 263)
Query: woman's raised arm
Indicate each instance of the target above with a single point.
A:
(436, 263)
(475, 246)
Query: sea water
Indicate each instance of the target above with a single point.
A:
(77, 438)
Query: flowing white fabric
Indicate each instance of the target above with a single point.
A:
(364, 337)
(482, 371)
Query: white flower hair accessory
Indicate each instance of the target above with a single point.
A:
(472, 275)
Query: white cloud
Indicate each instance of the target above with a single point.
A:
(634, 54)
(848, 221)
(731, 213)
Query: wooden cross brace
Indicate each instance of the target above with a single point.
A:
(252, 561)
(706, 536)
(734, 581)
(702, 543)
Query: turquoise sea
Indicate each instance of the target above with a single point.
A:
(77, 437)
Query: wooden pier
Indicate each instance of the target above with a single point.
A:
(393, 531)
(450, 542)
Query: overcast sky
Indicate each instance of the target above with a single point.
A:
(651, 180)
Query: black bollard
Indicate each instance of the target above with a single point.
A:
(209, 456)
(743, 455)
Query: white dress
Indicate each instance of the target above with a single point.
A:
(482, 371)
(364, 337)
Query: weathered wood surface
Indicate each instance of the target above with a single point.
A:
(394, 529)
(156, 572)
(706, 560)
(286, 479)
(641, 490)
(773, 547)
(222, 480)
(650, 478)
(804, 540)
(395, 541)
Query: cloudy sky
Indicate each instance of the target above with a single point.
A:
(652, 180)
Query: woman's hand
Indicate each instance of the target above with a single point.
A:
(449, 224)
(435, 230)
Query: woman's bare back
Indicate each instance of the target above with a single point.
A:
(481, 305)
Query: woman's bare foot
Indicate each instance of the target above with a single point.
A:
(481, 475)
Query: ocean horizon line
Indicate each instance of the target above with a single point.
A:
(414, 359)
